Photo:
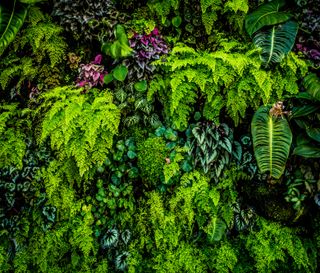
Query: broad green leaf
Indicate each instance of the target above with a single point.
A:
(307, 151)
(12, 16)
(276, 41)
(272, 139)
(266, 15)
(120, 73)
(312, 85)
(304, 110)
(314, 133)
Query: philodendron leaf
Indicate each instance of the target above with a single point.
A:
(307, 151)
(266, 15)
(141, 86)
(314, 133)
(120, 73)
(272, 139)
(12, 16)
(312, 85)
(276, 41)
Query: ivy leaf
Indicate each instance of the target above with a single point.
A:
(120, 73)
(141, 86)
(176, 21)
(131, 154)
(108, 78)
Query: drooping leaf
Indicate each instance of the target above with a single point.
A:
(12, 16)
(272, 139)
(307, 151)
(314, 133)
(312, 85)
(276, 42)
(304, 110)
(266, 15)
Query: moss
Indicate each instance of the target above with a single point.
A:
(151, 158)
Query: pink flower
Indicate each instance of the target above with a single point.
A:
(97, 59)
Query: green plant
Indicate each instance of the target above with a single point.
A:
(80, 127)
(12, 134)
(120, 48)
(42, 41)
(151, 158)
(279, 35)
(272, 246)
(227, 78)
(211, 147)
(272, 139)
(306, 115)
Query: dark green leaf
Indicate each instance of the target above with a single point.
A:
(108, 78)
(314, 133)
(266, 15)
(307, 151)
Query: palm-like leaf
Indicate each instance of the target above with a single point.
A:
(312, 85)
(276, 42)
(12, 16)
(266, 15)
(272, 139)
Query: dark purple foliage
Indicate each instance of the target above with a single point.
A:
(147, 48)
(91, 74)
(308, 40)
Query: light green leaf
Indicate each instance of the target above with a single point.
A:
(272, 139)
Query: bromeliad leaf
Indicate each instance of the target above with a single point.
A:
(276, 42)
(272, 139)
(266, 15)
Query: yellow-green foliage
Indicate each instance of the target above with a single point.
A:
(12, 138)
(68, 247)
(230, 77)
(80, 127)
(169, 226)
(272, 245)
(233, 11)
(41, 42)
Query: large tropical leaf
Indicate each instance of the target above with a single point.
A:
(12, 16)
(272, 139)
(312, 85)
(276, 42)
(307, 151)
(266, 15)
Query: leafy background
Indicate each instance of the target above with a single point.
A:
(159, 136)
